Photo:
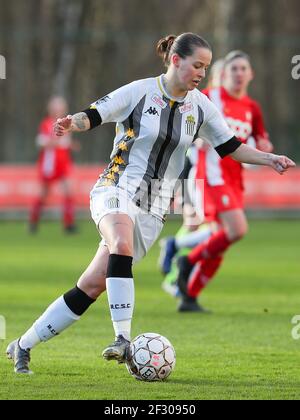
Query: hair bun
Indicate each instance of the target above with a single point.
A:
(164, 46)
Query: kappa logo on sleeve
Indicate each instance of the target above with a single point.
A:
(103, 100)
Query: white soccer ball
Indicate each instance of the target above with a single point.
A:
(152, 357)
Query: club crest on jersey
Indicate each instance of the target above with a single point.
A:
(190, 125)
(186, 108)
(113, 203)
(159, 101)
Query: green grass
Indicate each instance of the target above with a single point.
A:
(243, 351)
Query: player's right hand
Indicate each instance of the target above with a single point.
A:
(62, 126)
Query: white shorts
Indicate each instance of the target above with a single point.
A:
(113, 200)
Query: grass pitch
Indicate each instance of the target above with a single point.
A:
(244, 350)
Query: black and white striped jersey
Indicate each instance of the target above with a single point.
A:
(153, 134)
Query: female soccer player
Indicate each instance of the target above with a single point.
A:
(54, 165)
(157, 120)
(224, 179)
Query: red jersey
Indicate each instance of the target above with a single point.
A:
(244, 117)
(54, 162)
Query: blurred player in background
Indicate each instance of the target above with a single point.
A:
(192, 231)
(223, 189)
(54, 165)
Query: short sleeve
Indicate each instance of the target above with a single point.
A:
(214, 128)
(117, 106)
(45, 132)
(259, 129)
(45, 127)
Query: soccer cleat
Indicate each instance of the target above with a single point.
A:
(20, 357)
(167, 252)
(190, 304)
(119, 350)
(185, 269)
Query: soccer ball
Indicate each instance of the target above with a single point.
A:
(151, 357)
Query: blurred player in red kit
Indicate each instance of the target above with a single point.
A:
(54, 165)
(223, 191)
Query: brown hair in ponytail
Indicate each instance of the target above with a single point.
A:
(163, 48)
(183, 45)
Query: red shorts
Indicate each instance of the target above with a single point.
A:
(55, 165)
(63, 173)
(222, 198)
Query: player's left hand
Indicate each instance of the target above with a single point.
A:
(281, 164)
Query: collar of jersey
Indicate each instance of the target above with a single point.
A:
(166, 94)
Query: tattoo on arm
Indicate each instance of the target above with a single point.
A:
(80, 122)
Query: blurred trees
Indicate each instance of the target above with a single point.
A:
(86, 48)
